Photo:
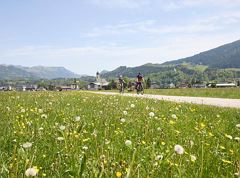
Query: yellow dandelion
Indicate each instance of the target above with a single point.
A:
(226, 161)
(222, 147)
(202, 125)
(118, 174)
(143, 142)
(210, 134)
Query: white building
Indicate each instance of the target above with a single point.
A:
(99, 84)
(225, 85)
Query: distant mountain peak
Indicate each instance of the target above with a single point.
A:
(34, 72)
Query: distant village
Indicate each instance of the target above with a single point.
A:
(102, 84)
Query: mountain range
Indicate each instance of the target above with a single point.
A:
(12, 72)
(221, 63)
(218, 64)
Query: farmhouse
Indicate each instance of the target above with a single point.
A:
(31, 88)
(154, 85)
(6, 88)
(64, 88)
(225, 85)
(99, 84)
(199, 85)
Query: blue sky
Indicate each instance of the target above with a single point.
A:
(89, 35)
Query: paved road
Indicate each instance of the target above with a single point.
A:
(221, 102)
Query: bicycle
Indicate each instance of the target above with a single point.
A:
(121, 88)
(139, 88)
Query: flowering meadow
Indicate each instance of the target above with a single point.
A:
(80, 134)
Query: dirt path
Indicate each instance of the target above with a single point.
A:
(221, 102)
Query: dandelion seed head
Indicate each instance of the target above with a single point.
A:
(128, 142)
(151, 114)
(31, 172)
(27, 145)
(179, 149)
(62, 127)
(174, 116)
(123, 120)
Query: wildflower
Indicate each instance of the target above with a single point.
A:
(151, 114)
(107, 141)
(238, 126)
(193, 158)
(62, 127)
(118, 174)
(132, 106)
(147, 108)
(229, 136)
(22, 110)
(27, 145)
(125, 112)
(44, 116)
(226, 161)
(123, 120)
(60, 138)
(85, 148)
(102, 157)
(174, 116)
(159, 157)
(128, 143)
(237, 138)
(222, 147)
(191, 143)
(77, 118)
(40, 111)
(31, 172)
(179, 149)
(210, 134)
(202, 125)
(237, 175)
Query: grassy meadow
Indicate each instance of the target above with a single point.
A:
(79, 134)
(233, 93)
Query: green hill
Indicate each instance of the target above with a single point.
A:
(219, 64)
(226, 56)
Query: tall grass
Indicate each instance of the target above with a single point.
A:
(77, 134)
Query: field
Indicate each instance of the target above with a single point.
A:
(78, 134)
(233, 93)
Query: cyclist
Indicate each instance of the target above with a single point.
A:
(139, 83)
(121, 83)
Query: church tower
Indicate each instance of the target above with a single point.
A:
(98, 77)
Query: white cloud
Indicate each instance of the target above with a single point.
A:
(153, 27)
(131, 4)
(172, 5)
